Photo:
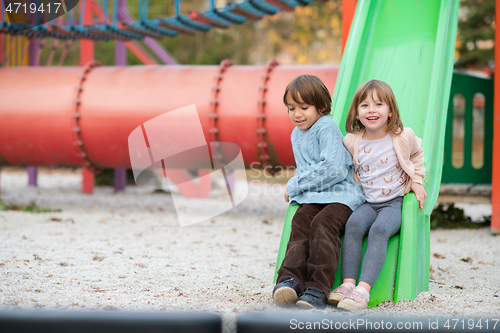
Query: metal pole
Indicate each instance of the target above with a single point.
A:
(86, 55)
(120, 174)
(34, 46)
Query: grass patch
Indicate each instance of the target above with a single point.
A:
(447, 216)
(31, 207)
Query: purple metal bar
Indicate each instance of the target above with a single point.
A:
(120, 179)
(120, 53)
(120, 48)
(33, 61)
(159, 51)
(152, 44)
(32, 175)
(120, 174)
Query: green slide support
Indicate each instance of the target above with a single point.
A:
(410, 45)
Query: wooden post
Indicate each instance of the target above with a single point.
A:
(495, 176)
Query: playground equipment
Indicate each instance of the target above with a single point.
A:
(232, 13)
(469, 127)
(87, 114)
(31, 47)
(387, 36)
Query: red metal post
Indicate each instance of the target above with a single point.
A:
(1, 48)
(86, 46)
(495, 177)
(1, 62)
(86, 55)
(349, 7)
(87, 181)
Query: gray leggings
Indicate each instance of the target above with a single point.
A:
(380, 221)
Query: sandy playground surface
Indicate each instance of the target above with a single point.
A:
(126, 251)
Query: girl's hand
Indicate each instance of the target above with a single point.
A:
(287, 197)
(419, 193)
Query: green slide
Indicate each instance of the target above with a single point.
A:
(409, 44)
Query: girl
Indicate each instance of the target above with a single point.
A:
(324, 185)
(388, 162)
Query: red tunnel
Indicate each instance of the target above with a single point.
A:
(72, 116)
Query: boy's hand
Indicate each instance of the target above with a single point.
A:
(287, 197)
(419, 193)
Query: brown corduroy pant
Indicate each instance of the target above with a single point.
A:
(312, 253)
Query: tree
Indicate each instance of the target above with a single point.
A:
(476, 35)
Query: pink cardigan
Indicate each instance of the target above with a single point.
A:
(408, 148)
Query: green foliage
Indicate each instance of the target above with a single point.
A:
(308, 35)
(107, 178)
(104, 178)
(450, 217)
(31, 207)
(476, 34)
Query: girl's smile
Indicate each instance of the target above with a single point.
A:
(374, 115)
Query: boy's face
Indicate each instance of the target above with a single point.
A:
(302, 115)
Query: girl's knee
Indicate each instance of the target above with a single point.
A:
(354, 224)
(379, 231)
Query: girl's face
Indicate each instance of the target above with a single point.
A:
(302, 115)
(373, 114)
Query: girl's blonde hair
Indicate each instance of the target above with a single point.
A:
(312, 91)
(386, 95)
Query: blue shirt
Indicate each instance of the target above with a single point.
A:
(325, 173)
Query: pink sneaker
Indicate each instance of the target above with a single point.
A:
(354, 301)
(338, 293)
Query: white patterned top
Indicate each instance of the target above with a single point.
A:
(381, 176)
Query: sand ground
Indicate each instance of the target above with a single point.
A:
(126, 251)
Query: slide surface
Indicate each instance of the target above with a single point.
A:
(410, 45)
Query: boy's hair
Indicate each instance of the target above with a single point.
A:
(386, 95)
(312, 91)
